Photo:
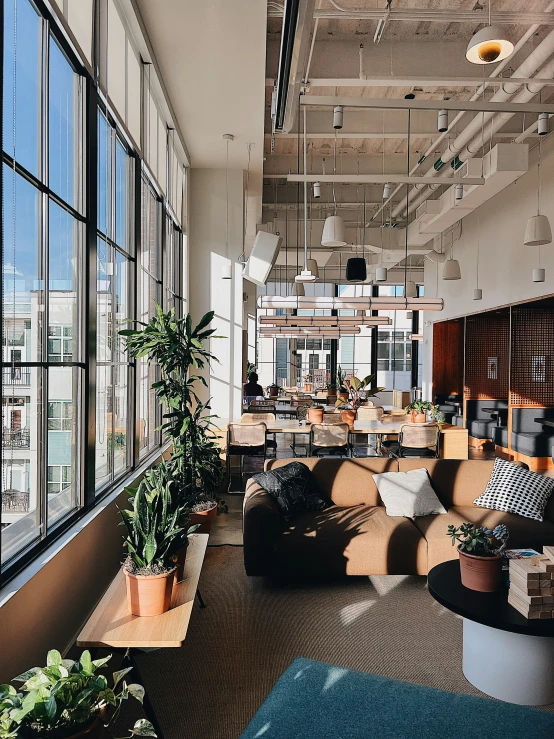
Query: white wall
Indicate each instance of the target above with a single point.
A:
(505, 265)
(207, 290)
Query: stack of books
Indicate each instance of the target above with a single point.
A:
(532, 585)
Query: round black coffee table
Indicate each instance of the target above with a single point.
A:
(505, 655)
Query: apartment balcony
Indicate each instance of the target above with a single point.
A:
(20, 439)
(16, 376)
(15, 501)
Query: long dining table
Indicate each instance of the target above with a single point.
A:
(453, 443)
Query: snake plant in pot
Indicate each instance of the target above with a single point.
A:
(157, 526)
(67, 699)
(480, 551)
(179, 350)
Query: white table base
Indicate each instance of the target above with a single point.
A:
(516, 668)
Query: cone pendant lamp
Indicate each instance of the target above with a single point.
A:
(333, 232)
(538, 231)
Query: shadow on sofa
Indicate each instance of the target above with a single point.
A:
(355, 536)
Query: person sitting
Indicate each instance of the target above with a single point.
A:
(252, 389)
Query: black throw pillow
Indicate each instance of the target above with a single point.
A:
(294, 489)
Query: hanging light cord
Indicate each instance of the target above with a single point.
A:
(245, 223)
(407, 205)
(227, 200)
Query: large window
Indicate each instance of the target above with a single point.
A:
(115, 267)
(76, 268)
(42, 272)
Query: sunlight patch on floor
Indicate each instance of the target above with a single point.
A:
(352, 612)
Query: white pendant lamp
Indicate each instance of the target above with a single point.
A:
(381, 274)
(410, 290)
(297, 289)
(538, 231)
(489, 45)
(477, 294)
(539, 275)
(305, 275)
(333, 232)
(227, 269)
(451, 270)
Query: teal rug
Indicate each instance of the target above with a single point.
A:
(313, 700)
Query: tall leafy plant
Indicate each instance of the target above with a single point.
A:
(179, 349)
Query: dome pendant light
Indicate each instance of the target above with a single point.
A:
(227, 269)
(538, 231)
(333, 228)
(489, 45)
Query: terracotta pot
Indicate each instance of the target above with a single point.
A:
(348, 416)
(481, 573)
(149, 595)
(307, 387)
(181, 557)
(416, 417)
(204, 518)
(315, 415)
(331, 399)
(273, 392)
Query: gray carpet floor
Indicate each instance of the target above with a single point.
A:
(252, 629)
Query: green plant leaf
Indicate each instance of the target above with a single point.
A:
(53, 658)
(86, 663)
(119, 675)
(143, 728)
(137, 691)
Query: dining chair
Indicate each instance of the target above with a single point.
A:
(367, 404)
(267, 418)
(417, 440)
(245, 440)
(363, 441)
(303, 445)
(329, 439)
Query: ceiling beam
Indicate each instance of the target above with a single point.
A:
(387, 135)
(419, 15)
(382, 179)
(422, 81)
(329, 101)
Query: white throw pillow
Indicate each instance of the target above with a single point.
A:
(408, 494)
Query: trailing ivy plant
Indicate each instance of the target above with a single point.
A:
(179, 349)
(65, 697)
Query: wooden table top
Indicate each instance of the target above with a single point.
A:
(111, 624)
(360, 427)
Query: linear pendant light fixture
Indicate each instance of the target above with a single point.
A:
(323, 332)
(227, 269)
(489, 45)
(278, 302)
(337, 321)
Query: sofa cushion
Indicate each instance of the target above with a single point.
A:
(515, 490)
(533, 444)
(455, 481)
(354, 540)
(523, 419)
(345, 481)
(481, 429)
(294, 489)
(408, 494)
(524, 532)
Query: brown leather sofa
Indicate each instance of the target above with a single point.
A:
(355, 536)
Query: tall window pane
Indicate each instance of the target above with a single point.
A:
(22, 67)
(63, 127)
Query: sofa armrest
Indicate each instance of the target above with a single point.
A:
(261, 526)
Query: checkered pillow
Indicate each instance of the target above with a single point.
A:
(516, 490)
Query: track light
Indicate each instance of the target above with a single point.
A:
(442, 123)
(489, 45)
(338, 115)
(543, 126)
(387, 190)
(458, 192)
(317, 189)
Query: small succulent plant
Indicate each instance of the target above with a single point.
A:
(478, 540)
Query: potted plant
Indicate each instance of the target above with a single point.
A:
(273, 390)
(315, 413)
(178, 348)
(67, 699)
(342, 390)
(308, 384)
(480, 551)
(157, 528)
(417, 410)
